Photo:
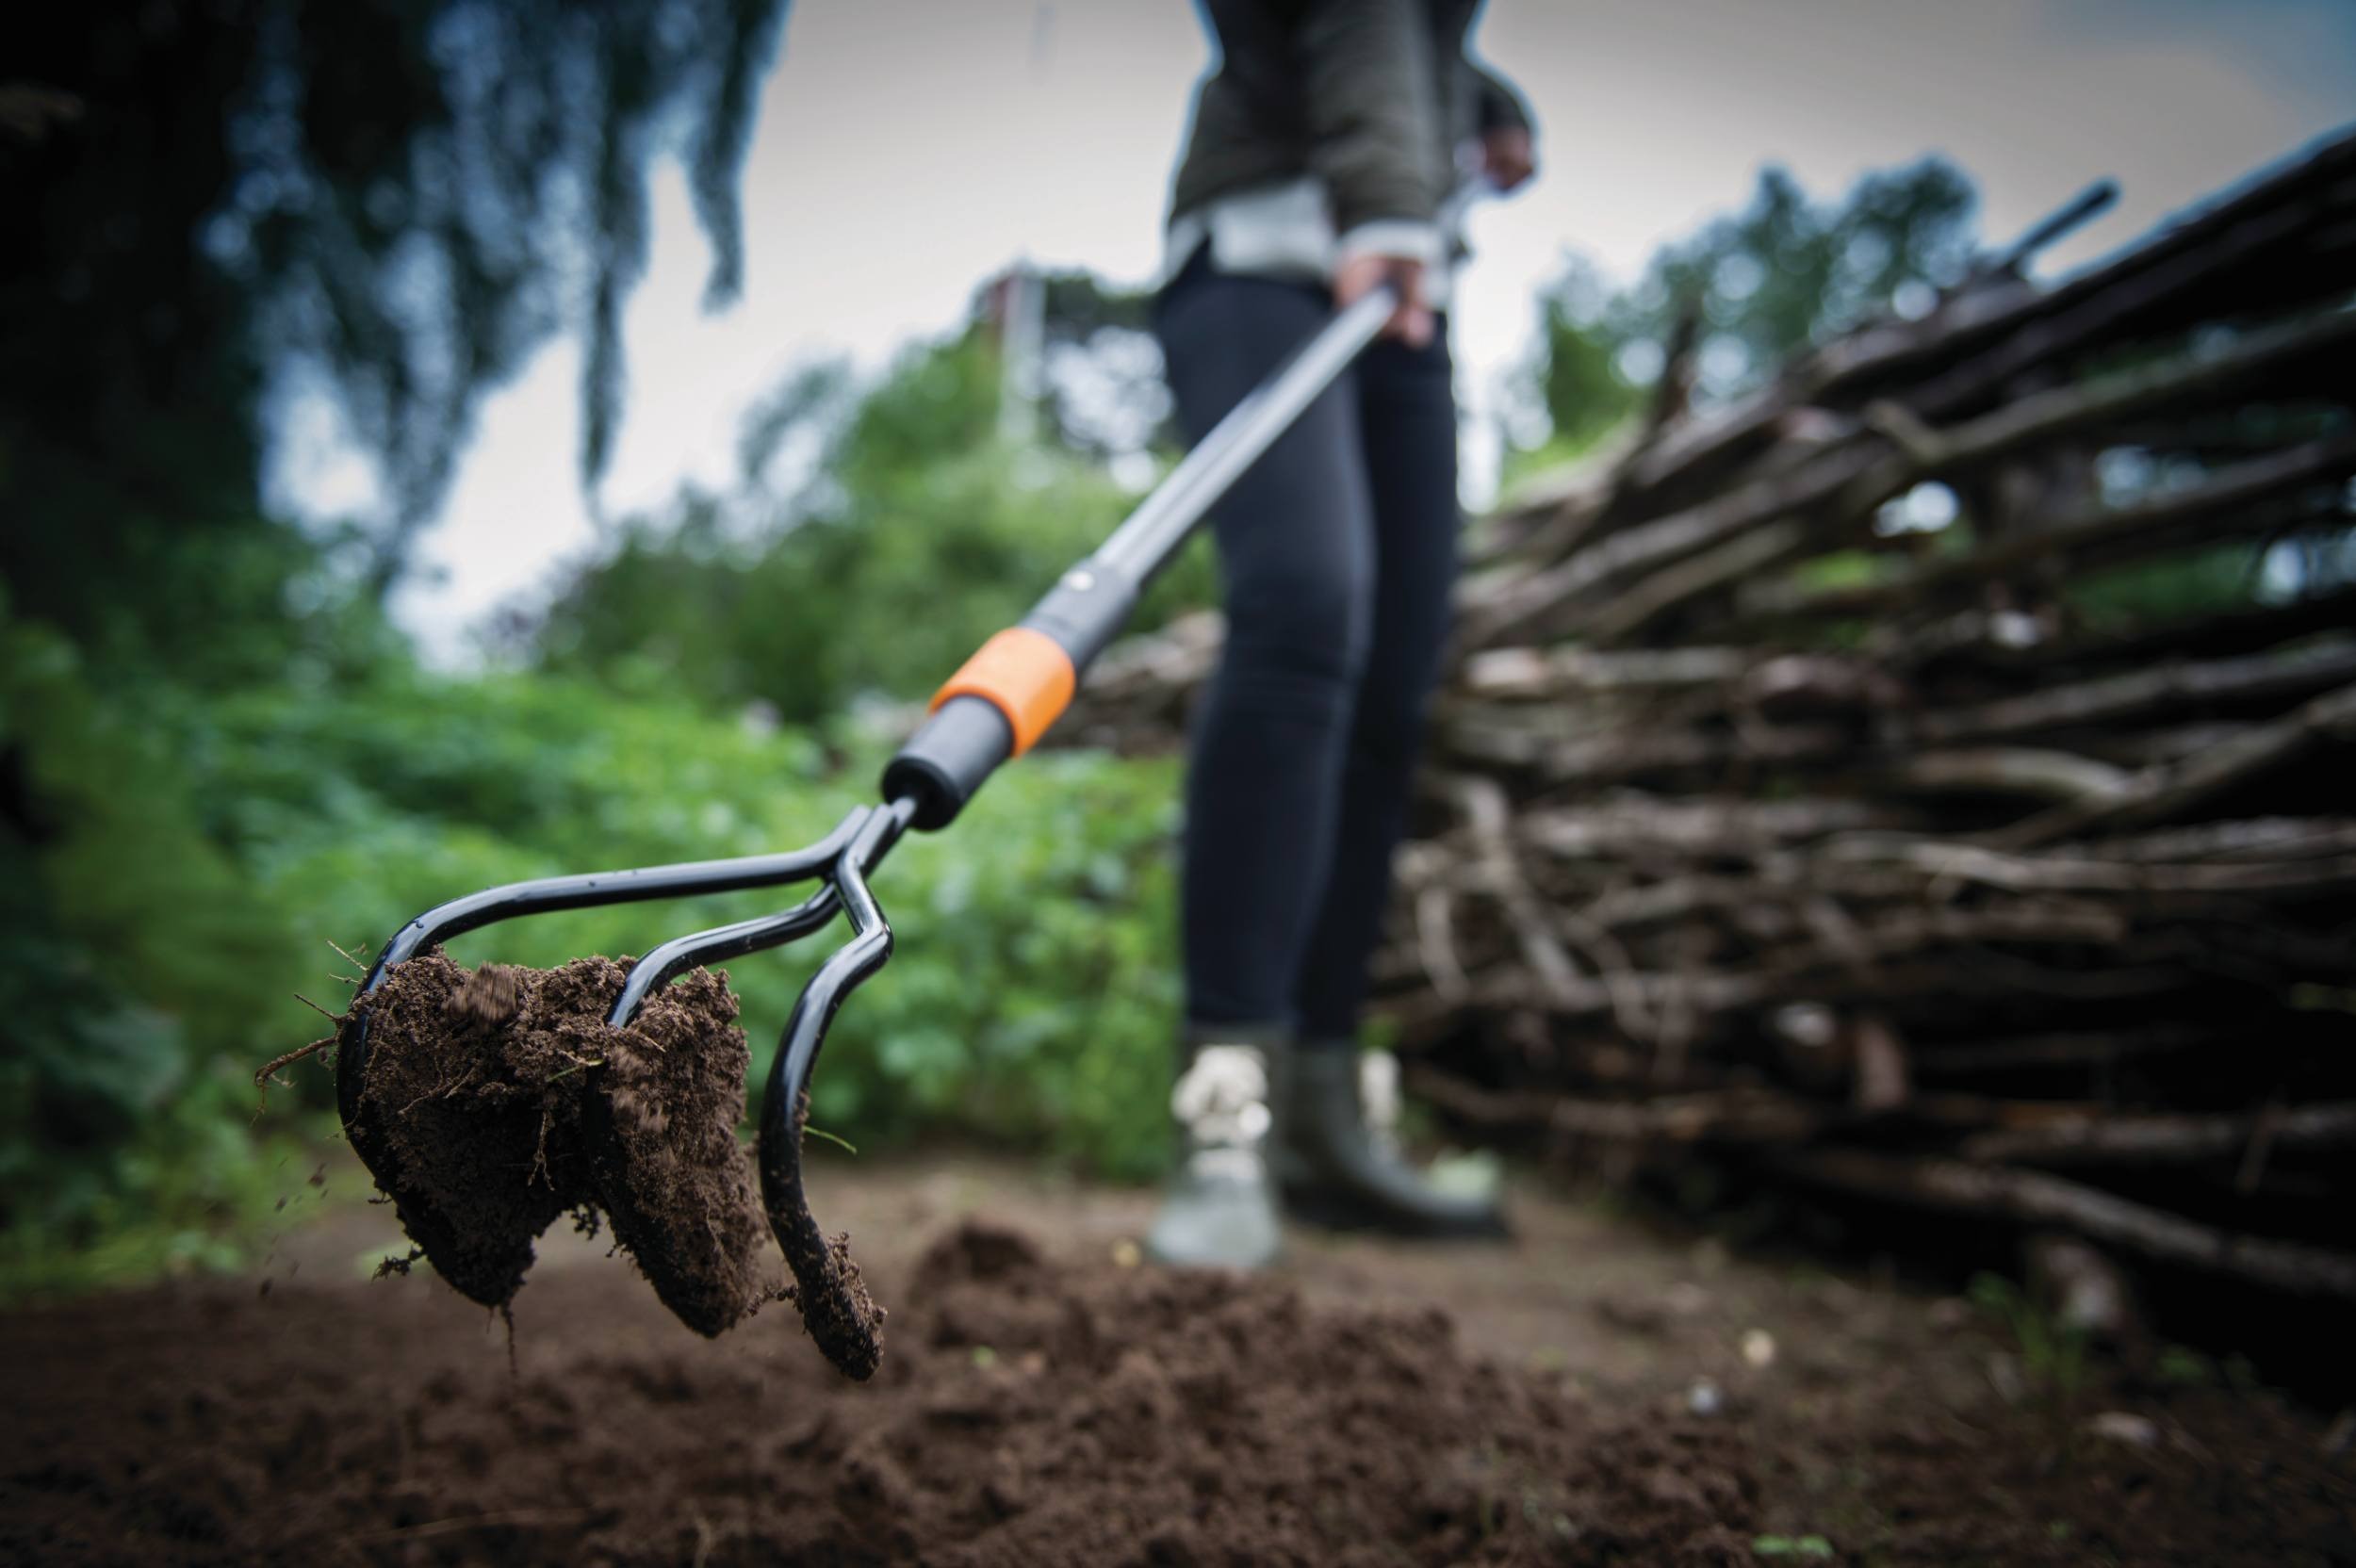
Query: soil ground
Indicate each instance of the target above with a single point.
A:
(1595, 1391)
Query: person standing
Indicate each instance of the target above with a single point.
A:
(1324, 149)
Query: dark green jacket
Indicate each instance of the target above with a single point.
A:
(1371, 96)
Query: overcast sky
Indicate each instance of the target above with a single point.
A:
(909, 148)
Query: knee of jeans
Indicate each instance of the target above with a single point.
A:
(1308, 626)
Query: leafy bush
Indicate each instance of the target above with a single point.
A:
(188, 822)
(185, 860)
(924, 535)
(1783, 274)
(136, 960)
(1031, 994)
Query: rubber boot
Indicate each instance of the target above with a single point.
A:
(1220, 1209)
(1341, 1169)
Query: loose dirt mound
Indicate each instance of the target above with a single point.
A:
(501, 1099)
(1033, 1414)
(1078, 1411)
(1175, 1419)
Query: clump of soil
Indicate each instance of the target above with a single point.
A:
(495, 1101)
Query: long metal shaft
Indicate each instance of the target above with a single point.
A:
(1144, 544)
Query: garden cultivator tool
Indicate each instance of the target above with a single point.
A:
(994, 709)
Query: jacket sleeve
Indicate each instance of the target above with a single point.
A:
(1502, 108)
(1374, 120)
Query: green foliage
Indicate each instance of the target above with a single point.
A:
(193, 867)
(1033, 994)
(1102, 369)
(1792, 1545)
(1584, 391)
(1780, 276)
(215, 757)
(2053, 1353)
(134, 961)
(2169, 588)
(1030, 998)
(920, 536)
(1849, 568)
(212, 198)
(1786, 273)
(2182, 1366)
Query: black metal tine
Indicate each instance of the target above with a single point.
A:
(680, 954)
(828, 1307)
(549, 894)
(868, 946)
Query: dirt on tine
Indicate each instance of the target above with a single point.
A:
(503, 1101)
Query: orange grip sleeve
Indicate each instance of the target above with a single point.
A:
(1025, 674)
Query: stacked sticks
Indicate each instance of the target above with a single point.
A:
(1933, 774)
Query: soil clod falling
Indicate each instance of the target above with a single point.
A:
(497, 1101)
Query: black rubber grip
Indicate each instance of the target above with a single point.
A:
(1084, 611)
(951, 754)
(967, 738)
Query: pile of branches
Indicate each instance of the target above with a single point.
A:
(1933, 775)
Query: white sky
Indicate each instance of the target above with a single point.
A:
(909, 148)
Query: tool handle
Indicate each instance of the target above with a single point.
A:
(1151, 536)
(1008, 694)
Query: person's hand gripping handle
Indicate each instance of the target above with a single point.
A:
(1361, 273)
(1505, 160)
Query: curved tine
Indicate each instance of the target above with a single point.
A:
(680, 954)
(846, 1323)
(550, 893)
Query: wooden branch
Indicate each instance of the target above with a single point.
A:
(2129, 1139)
(1713, 571)
(2149, 276)
(1843, 486)
(2013, 771)
(2073, 327)
(2033, 1198)
(2249, 839)
(2161, 792)
(2258, 677)
(2149, 284)
(1552, 514)
(1556, 674)
(1731, 1117)
(2081, 209)
(2246, 629)
(2232, 490)
(1969, 1058)
(2328, 863)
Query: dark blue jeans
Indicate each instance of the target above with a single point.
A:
(1337, 556)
